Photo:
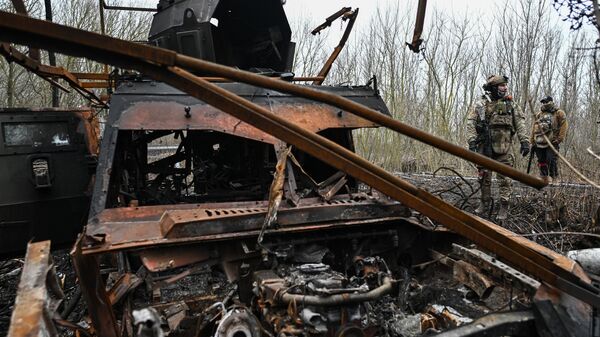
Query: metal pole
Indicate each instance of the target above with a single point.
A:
(338, 49)
(415, 45)
(102, 28)
(51, 56)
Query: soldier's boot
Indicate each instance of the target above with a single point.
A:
(502, 211)
(484, 207)
(485, 182)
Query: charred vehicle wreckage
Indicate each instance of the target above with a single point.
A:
(234, 205)
(48, 158)
(284, 226)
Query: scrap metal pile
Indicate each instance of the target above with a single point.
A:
(250, 221)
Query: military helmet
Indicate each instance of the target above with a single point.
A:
(495, 80)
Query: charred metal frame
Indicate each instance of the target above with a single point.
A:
(415, 45)
(165, 65)
(51, 74)
(345, 13)
(38, 296)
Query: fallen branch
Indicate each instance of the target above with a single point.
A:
(456, 173)
(577, 172)
(586, 179)
(589, 149)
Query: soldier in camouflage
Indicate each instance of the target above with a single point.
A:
(491, 125)
(550, 124)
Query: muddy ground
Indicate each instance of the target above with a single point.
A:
(541, 215)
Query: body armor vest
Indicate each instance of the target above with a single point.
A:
(500, 122)
(543, 126)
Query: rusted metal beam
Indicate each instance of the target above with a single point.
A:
(94, 292)
(201, 221)
(500, 272)
(38, 296)
(155, 63)
(329, 20)
(347, 14)
(415, 45)
(294, 79)
(92, 76)
(123, 285)
(513, 323)
(19, 6)
(98, 84)
(49, 73)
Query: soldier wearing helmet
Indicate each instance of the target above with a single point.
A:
(550, 125)
(491, 125)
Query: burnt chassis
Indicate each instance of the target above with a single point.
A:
(551, 268)
(166, 237)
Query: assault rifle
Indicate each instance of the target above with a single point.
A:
(484, 138)
(483, 131)
(531, 157)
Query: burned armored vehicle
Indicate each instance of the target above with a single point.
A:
(47, 160)
(182, 185)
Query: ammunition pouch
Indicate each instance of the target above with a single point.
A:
(501, 140)
(543, 126)
(501, 127)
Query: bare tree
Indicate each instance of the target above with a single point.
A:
(20, 88)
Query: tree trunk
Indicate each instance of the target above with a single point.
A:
(10, 86)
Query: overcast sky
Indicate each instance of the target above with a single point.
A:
(320, 9)
(324, 8)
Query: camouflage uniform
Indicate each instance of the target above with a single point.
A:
(496, 122)
(551, 122)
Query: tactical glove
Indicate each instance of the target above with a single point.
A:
(524, 148)
(473, 146)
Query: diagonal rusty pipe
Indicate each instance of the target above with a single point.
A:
(359, 110)
(337, 299)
